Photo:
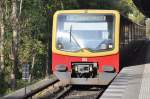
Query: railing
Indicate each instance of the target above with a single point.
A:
(32, 89)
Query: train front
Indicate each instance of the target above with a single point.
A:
(85, 46)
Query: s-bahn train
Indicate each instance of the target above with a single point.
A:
(87, 45)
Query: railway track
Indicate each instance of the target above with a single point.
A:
(51, 91)
(81, 92)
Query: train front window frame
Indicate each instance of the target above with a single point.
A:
(71, 38)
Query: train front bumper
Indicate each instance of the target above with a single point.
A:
(101, 79)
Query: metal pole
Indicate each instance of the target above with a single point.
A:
(25, 87)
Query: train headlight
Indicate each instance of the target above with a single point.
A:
(110, 46)
(61, 67)
(108, 68)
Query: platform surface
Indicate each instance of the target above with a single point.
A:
(131, 83)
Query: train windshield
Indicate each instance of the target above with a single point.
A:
(94, 32)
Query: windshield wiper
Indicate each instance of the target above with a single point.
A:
(70, 32)
(71, 36)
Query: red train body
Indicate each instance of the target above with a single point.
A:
(109, 60)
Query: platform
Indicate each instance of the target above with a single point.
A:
(131, 83)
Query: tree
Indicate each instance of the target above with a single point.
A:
(14, 24)
(1, 35)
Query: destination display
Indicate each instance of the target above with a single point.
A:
(86, 26)
(85, 17)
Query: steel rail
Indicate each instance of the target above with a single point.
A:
(33, 92)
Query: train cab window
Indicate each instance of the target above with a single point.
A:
(94, 32)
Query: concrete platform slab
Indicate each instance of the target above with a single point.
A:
(131, 83)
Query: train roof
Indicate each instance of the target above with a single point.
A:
(87, 11)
